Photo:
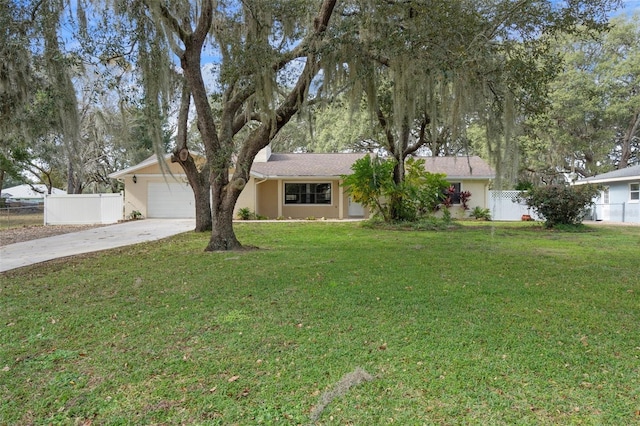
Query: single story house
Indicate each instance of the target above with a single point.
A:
(619, 199)
(28, 194)
(286, 185)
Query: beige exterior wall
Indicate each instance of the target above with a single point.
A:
(135, 196)
(247, 198)
(267, 198)
(479, 196)
(270, 201)
(479, 193)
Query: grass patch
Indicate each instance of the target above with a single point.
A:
(15, 218)
(482, 324)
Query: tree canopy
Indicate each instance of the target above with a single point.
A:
(593, 123)
(429, 71)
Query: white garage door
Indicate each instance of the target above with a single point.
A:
(170, 200)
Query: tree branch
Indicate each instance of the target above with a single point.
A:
(170, 20)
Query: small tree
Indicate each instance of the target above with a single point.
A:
(422, 192)
(561, 204)
(372, 185)
(371, 180)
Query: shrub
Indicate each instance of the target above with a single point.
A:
(480, 213)
(560, 204)
(464, 199)
(371, 184)
(245, 214)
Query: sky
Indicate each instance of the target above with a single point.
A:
(630, 6)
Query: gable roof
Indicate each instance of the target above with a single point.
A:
(468, 167)
(315, 165)
(334, 165)
(27, 191)
(305, 165)
(622, 175)
(141, 165)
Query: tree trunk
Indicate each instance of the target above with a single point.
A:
(74, 185)
(395, 204)
(634, 124)
(223, 237)
(202, 196)
(198, 178)
(219, 142)
(199, 182)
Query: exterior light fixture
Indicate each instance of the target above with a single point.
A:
(135, 179)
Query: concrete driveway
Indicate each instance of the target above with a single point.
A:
(106, 237)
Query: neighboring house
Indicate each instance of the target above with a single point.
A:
(286, 185)
(28, 194)
(619, 199)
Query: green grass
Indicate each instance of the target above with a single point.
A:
(484, 324)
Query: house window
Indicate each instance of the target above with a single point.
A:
(634, 192)
(455, 196)
(605, 195)
(307, 193)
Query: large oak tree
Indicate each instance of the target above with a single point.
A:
(266, 55)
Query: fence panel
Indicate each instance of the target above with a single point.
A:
(83, 209)
(616, 212)
(504, 205)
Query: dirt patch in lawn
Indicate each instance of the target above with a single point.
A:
(28, 233)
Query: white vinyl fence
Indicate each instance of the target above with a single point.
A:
(83, 209)
(504, 205)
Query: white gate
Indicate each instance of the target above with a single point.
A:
(83, 209)
(504, 205)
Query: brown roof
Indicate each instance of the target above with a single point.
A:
(471, 167)
(306, 165)
(325, 165)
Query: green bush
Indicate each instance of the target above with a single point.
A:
(480, 213)
(560, 204)
(245, 214)
(371, 184)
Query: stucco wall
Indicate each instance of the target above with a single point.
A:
(135, 195)
(269, 205)
(267, 198)
(247, 198)
(479, 193)
(479, 197)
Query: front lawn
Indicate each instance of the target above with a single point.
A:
(483, 324)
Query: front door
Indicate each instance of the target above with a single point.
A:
(355, 209)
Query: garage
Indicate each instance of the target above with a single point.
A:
(170, 200)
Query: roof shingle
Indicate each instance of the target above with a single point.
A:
(325, 165)
(629, 173)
